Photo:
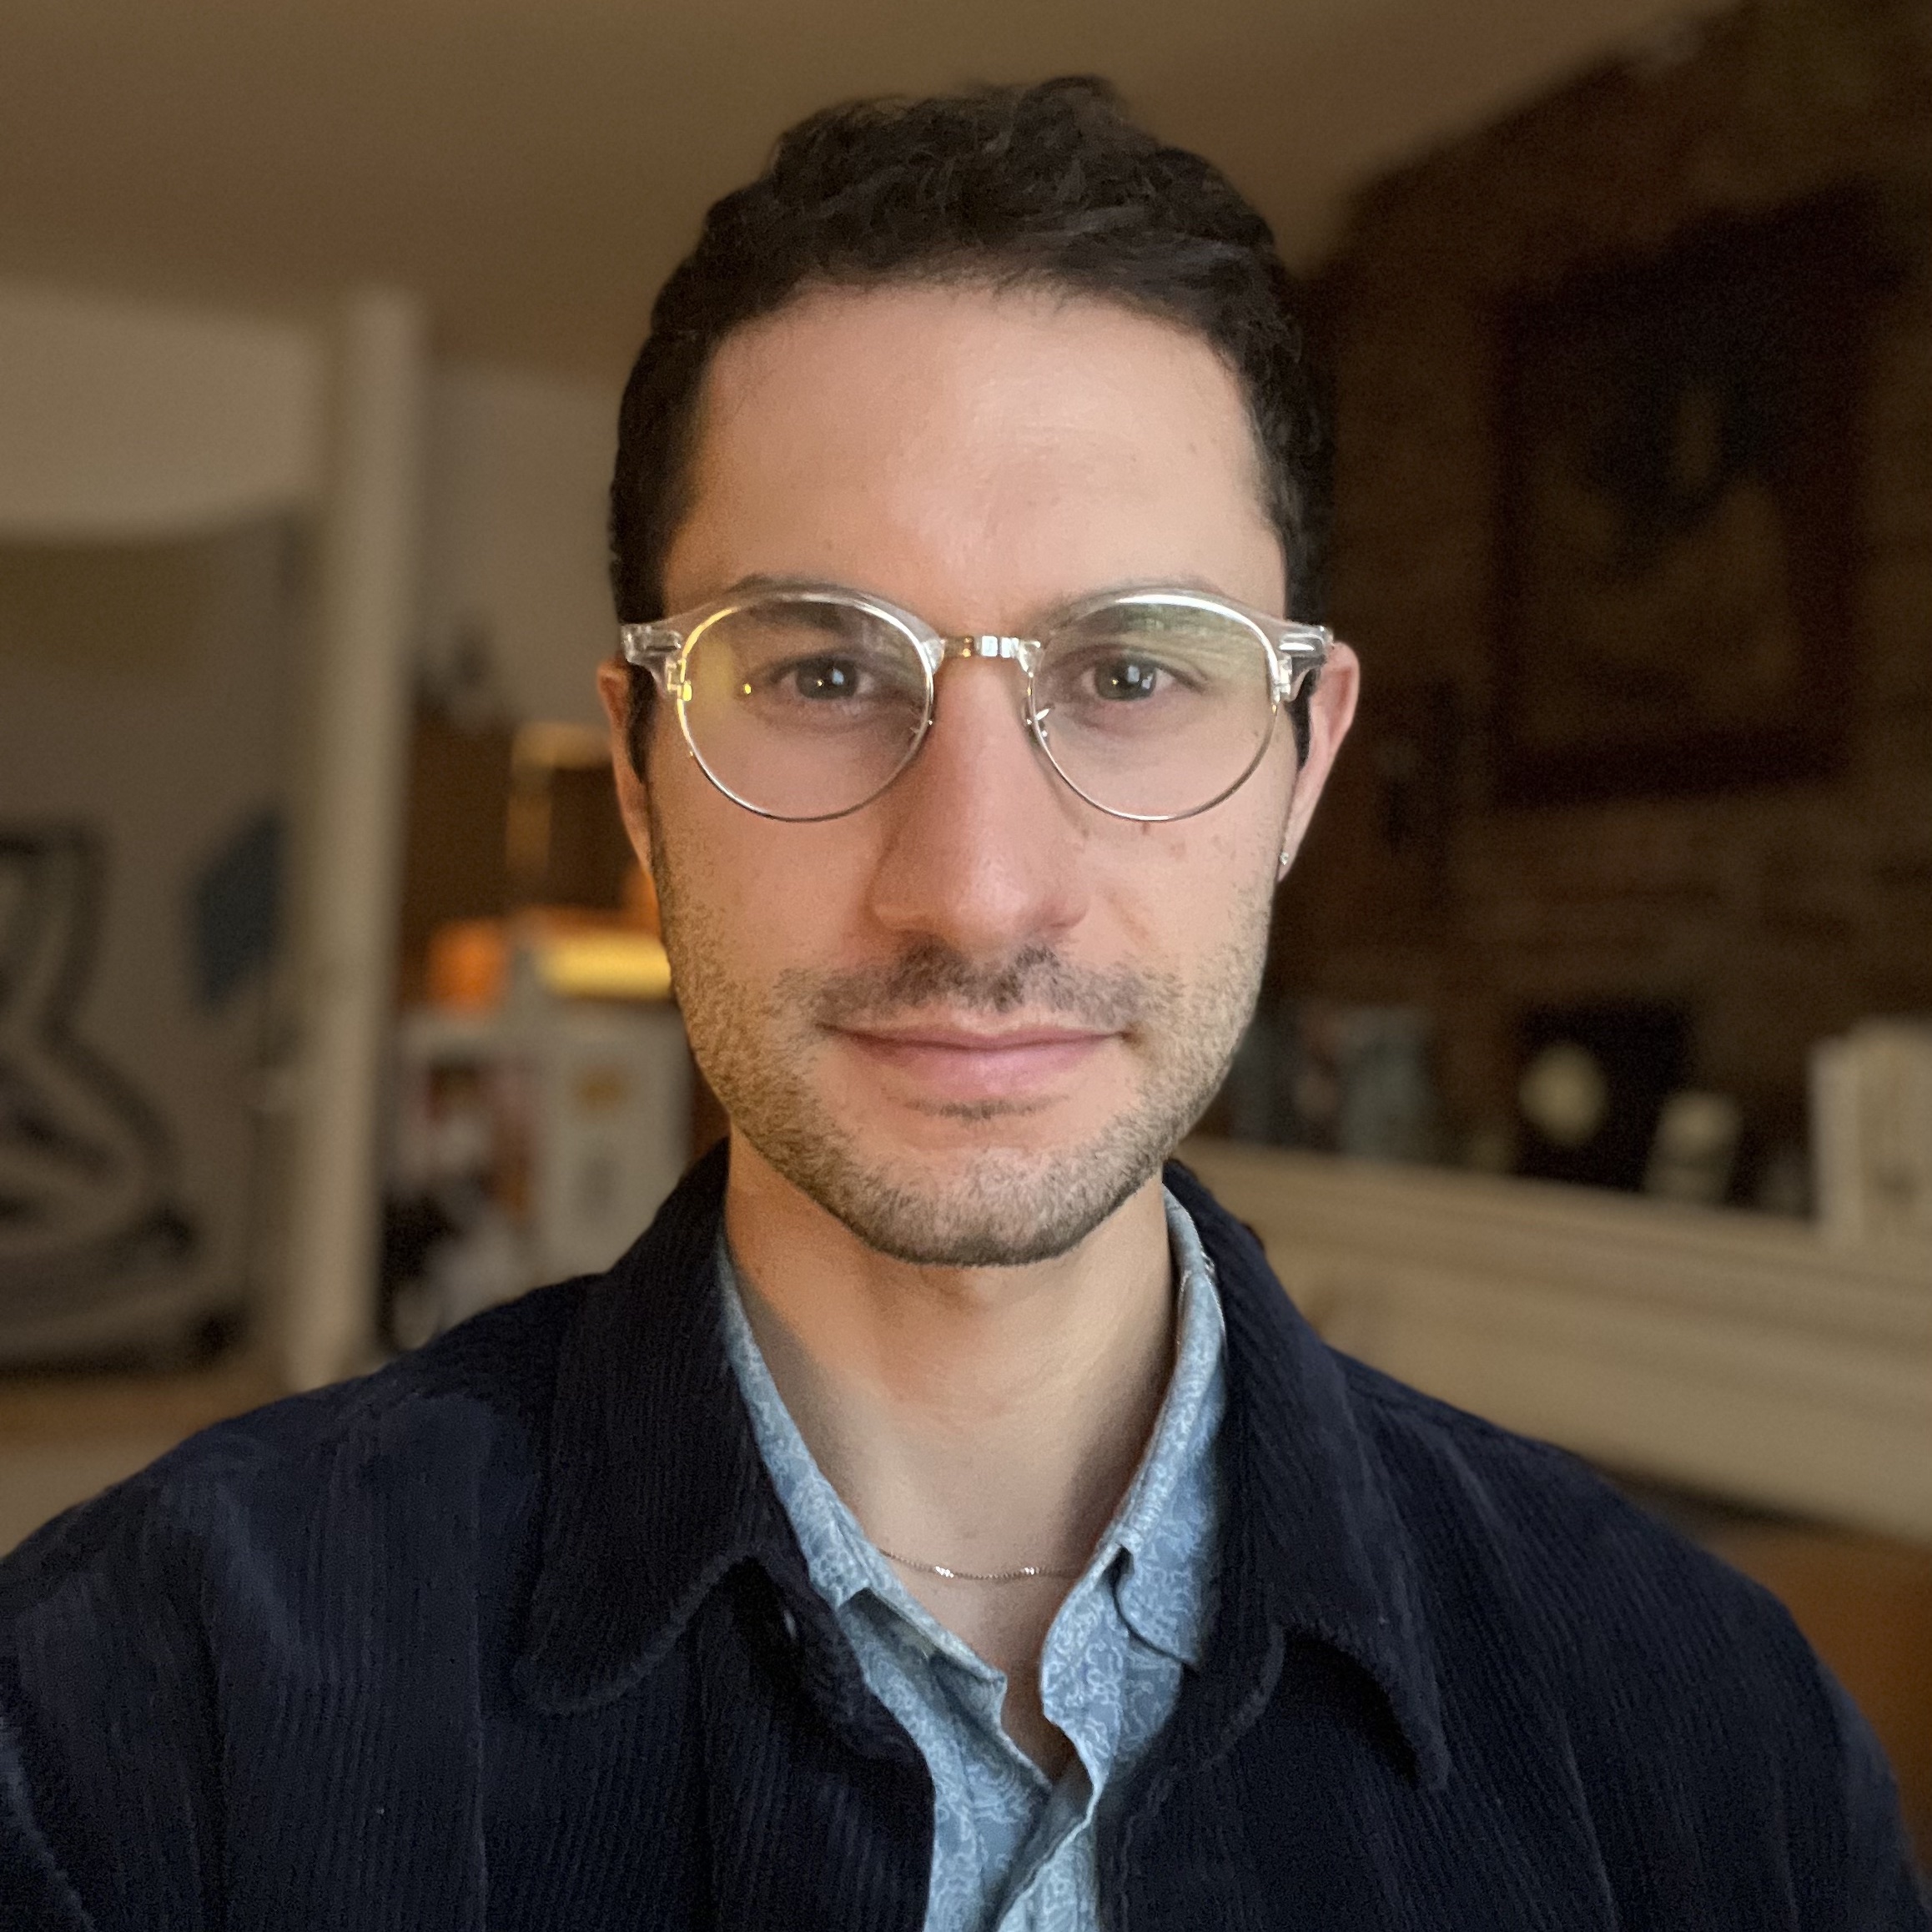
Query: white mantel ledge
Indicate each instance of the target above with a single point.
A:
(1739, 1355)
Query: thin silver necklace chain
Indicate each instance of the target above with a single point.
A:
(1025, 1571)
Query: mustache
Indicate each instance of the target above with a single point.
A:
(1036, 979)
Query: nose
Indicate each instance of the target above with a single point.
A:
(983, 851)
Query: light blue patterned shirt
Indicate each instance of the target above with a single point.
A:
(1012, 1851)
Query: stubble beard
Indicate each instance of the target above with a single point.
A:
(1000, 1205)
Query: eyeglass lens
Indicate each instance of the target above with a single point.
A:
(1153, 708)
(803, 708)
(806, 707)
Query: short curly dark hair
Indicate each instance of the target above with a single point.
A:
(1048, 186)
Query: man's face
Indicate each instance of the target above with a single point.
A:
(972, 1018)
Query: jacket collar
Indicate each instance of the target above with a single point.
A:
(655, 1491)
(1315, 1530)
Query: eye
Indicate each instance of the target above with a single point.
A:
(1126, 678)
(820, 679)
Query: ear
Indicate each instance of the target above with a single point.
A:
(1330, 713)
(633, 800)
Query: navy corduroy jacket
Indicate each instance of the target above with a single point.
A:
(514, 1635)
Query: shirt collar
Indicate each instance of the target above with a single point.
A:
(1168, 1522)
(838, 1554)
(655, 1490)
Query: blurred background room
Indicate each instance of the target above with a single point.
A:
(1592, 1083)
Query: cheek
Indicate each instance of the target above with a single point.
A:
(745, 898)
(1195, 922)
(1200, 884)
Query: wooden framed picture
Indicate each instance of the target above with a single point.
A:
(1679, 527)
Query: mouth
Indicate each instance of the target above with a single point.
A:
(949, 1063)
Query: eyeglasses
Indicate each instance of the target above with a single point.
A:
(804, 701)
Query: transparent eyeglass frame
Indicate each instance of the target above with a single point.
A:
(1296, 653)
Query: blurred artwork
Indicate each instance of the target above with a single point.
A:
(148, 692)
(86, 1208)
(1679, 519)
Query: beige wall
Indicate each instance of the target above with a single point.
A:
(520, 464)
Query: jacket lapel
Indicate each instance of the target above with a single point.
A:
(661, 1532)
(1316, 1548)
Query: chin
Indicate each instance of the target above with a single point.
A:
(941, 1134)
(968, 1202)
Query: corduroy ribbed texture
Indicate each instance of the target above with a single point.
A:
(514, 1635)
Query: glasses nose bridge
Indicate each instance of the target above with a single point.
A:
(1023, 652)
(992, 648)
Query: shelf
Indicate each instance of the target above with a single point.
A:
(1738, 1354)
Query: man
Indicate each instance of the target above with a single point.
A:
(937, 1519)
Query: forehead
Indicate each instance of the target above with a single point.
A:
(962, 444)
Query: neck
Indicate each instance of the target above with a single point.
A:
(982, 1418)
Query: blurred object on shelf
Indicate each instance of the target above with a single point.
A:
(468, 964)
(577, 954)
(460, 1193)
(1592, 1089)
(1871, 1096)
(1343, 1079)
(522, 823)
(1693, 1154)
(1564, 1094)
(604, 963)
(532, 1142)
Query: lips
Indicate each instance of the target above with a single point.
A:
(956, 1063)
